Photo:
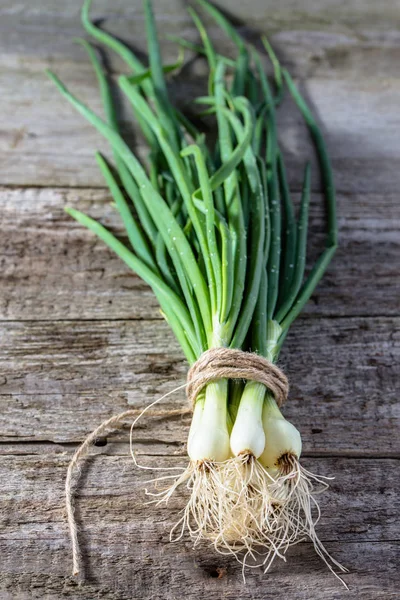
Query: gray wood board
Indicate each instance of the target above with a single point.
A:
(127, 548)
(60, 379)
(81, 337)
(60, 271)
(347, 55)
(55, 146)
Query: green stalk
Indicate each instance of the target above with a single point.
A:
(277, 70)
(164, 108)
(212, 247)
(135, 236)
(161, 214)
(208, 48)
(327, 178)
(125, 176)
(206, 219)
(125, 53)
(257, 237)
(234, 210)
(300, 252)
(290, 231)
(159, 287)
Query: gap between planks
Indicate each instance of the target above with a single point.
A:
(117, 444)
(305, 316)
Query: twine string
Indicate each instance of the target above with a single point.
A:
(214, 364)
(230, 363)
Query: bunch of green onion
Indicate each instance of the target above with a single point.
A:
(212, 229)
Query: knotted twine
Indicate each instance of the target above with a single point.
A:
(229, 363)
(212, 365)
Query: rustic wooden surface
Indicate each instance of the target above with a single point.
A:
(81, 337)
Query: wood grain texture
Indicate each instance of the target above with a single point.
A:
(40, 131)
(59, 380)
(129, 555)
(81, 337)
(346, 57)
(65, 273)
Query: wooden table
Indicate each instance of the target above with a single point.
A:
(82, 338)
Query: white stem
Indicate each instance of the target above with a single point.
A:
(210, 438)
(247, 435)
(274, 331)
(281, 437)
(196, 418)
(270, 408)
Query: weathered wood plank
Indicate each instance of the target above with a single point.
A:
(356, 13)
(168, 575)
(52, 268)
(108, 481)
(360, 127)
(351, 73)
(60, 380)
(127, 548)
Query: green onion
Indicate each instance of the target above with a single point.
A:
(212, 229)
